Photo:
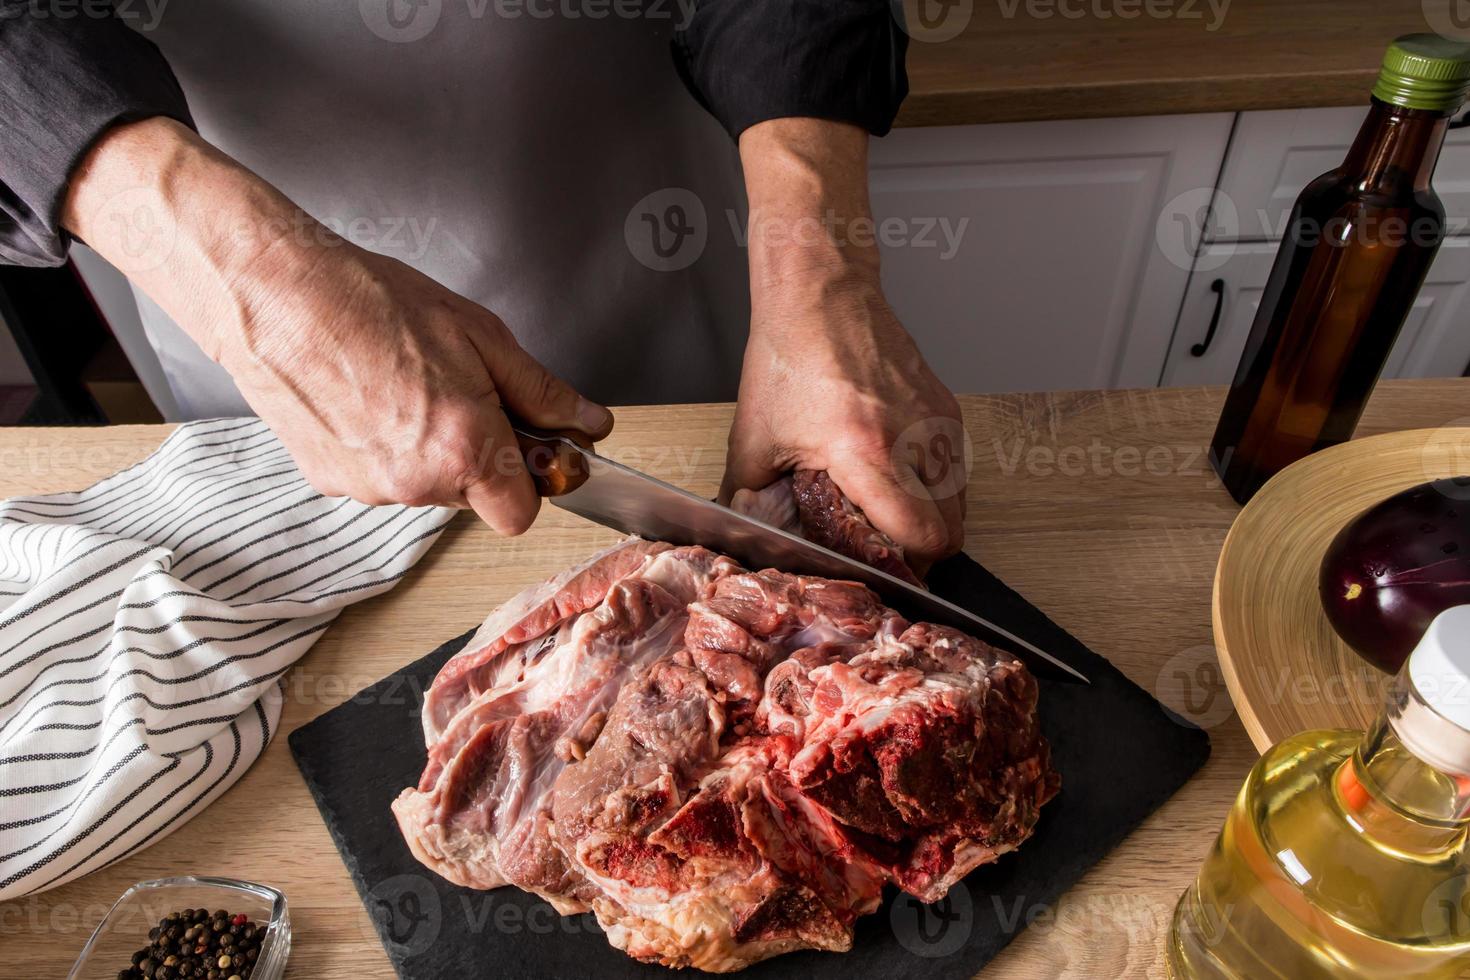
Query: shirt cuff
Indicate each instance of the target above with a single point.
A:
(747, 61)
(63, 83)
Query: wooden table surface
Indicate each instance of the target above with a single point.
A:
(1018, 60)
(1099, 507)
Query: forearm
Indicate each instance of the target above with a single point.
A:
(810, 221)
(831, 379)
(183, 221)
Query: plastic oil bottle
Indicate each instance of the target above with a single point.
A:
(1345, 854)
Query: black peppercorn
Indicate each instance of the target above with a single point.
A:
(193, 944)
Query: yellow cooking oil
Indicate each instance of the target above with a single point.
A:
(1343, 856)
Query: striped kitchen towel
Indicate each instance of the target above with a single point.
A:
(145, 623)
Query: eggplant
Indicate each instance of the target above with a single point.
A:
(1395, 567)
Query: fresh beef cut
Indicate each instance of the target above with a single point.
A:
(722, 764)
(809, 503)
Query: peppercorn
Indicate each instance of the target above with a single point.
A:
(191, 944)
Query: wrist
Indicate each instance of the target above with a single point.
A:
(130, 179)
(810, 228)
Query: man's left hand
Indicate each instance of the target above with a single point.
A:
(831, 380)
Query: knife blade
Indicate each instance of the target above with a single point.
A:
(574, 477)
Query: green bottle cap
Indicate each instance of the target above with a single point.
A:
(1425, 71)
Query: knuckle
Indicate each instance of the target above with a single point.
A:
(495, 328)
(398, 490)
(405, 481)
(457, 424)
(460, 467)
(931, 538)
(543, 387)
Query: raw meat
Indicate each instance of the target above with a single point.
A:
(810, 504)
(722, 765)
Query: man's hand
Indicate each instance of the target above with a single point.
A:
(831, 380)
(384, 385)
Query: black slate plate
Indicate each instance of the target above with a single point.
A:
(1121, 754)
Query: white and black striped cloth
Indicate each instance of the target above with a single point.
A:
(145, 624)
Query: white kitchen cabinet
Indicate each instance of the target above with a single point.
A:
(1051, 272)
(1273, 155)
(1435, 341)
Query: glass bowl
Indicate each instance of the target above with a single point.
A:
(124, 929)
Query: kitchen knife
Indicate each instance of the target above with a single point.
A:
(575, 478)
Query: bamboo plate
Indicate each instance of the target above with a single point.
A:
(1286, 670)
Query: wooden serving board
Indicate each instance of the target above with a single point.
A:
(1285, 667)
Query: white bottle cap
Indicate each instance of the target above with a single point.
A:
(1434, 722)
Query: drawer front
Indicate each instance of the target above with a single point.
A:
(1273, 155)
(1435, 342)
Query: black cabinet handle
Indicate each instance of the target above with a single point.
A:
(1218, 288)
(1462, 123)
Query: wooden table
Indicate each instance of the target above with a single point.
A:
(1017, 60)
(1099, 507)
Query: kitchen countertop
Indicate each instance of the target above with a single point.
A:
(1010, 65)
(1097, 506)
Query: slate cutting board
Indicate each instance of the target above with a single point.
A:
(1121, 755)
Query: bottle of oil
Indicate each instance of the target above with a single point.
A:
(1345, 854)
(1356, 250)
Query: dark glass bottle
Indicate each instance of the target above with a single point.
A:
(1357, 248)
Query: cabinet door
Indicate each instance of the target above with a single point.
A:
(1435, 341)
(1042, 266)
(1274, 154)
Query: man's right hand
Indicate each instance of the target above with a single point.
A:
(384, 385)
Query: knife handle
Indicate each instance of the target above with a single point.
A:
(555, 467)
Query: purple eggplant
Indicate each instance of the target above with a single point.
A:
(1395, 567)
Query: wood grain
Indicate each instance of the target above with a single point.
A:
(1099, 507)
(1070, 59)
(1286, 669)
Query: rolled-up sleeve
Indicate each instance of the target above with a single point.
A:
(67, 74)
(747, 61)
